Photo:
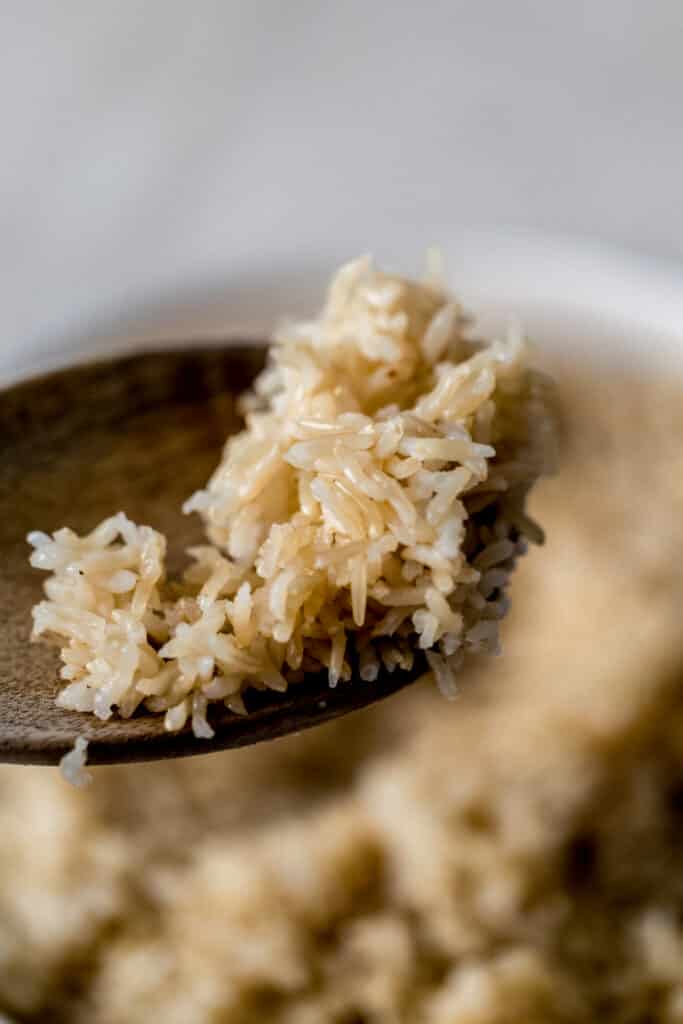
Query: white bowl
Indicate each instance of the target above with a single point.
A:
(601, 302)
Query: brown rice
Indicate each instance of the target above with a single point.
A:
(373, 504)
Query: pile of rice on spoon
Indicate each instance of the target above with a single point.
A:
(372, 508)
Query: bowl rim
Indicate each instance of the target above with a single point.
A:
(604, 301)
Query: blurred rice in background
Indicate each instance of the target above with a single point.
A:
(512, 856)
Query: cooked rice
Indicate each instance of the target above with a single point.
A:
(373, 504)
(72, 765)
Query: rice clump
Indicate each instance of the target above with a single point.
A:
(372, 507)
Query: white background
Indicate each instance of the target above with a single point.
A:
(156, 151)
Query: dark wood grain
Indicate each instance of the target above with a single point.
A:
(137, 434)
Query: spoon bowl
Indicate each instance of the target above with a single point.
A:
(137, 434)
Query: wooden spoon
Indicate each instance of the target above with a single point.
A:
(138, 434)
